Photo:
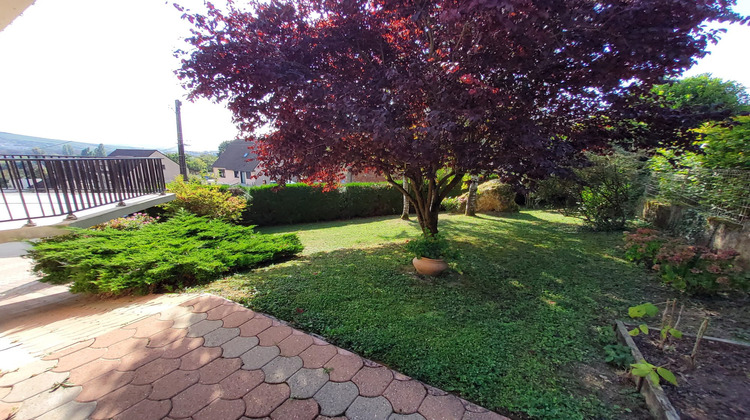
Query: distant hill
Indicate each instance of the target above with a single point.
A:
(18, 144)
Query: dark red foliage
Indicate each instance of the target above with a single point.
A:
(518, 87)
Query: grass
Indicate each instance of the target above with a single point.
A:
(516, 326)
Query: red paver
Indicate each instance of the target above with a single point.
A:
(103, 385)
(222, 409)
(206, 303)
(255, 326)
(221, 311)
(295, 344)
(112, 337)
(155, 325)
(343, 367)
(446, 407)
(296, 410)
(125, 347)
(154, 370)
(173, 383)
(146, 410)
(219, 369)
(274, 335)
(372, 381)
(78, 358)
(91, 370)
(405, 396)
(316, 356)
(138, 358)
(199, 357)
(120, 400)
(240, 383)
(75, 347)
(237, 318)
(181, 347)
(167, 336)
(262, 400)
(193, 399)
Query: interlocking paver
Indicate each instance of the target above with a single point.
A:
(181, 347)
(199, 357)
(91, 370)
(167, 336)
(365, 408)
(218, 369)
(281, 368)
(316, 356)
(72, 410)
(146, 410)
(413, 416)
(173, 383)
(26, 372)
(335, 397)
(240, 383)
(372, 381)
(78, 358)
(445, 407)
(258, 356)
(103, 385)
(295, 344)
(138, 358)
(153, 326)
(344, 366)
(220, 336)
(35, 385)
(173, 313)
(207, 302)
(237, 318)
(46, 401)
(221, 409)
(222, 311)
(255, 326)
(70, 349)
(189, 319)
(296, 410)
(202, 328)
(238, 345)
(112, 337)
(193, 399)
(154, 370)
(274, 335)
(405, 396)
(264, 398)
(124, 347)
(3, 392)
(306, 382)
(120, 400)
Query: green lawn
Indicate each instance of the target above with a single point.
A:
(517, 326)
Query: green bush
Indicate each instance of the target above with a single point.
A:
(204, 200)
(302, 203)
(184, 250)
(428, 246)
(452, 204)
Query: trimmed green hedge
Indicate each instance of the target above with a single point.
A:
(301, 203)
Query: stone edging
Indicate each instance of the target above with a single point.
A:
(656, 400)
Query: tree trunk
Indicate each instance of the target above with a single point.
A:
(471, 202)
(405, 211)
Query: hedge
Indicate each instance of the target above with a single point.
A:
(301, 203)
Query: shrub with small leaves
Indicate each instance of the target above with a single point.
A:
(204, 200)
(132, 222)
(618, 355)
(429, 246)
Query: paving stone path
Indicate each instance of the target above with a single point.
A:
(210, 358)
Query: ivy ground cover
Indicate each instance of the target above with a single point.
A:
(516, 326)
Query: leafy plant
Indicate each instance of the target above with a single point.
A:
(452, 204)
(653, 373)
(618, 355)
(204, 200)
(642, 246)
(184, 250)
(640, 311)
(429, 246)
(132, 222)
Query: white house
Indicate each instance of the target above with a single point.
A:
(171, 169)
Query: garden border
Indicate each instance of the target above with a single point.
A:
(656, 400)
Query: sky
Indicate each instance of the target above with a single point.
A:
(101, 71)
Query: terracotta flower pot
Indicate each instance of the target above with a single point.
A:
(428, 266)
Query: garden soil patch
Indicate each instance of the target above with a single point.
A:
(717, 388)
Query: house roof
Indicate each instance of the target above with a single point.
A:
(237, 157)
(132, 153)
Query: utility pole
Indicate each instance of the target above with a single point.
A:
(180, 146)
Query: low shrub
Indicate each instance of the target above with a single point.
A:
(133, 222)
(184, 250)
(453, 204)
(204, 200)
(689, 268)
(302, 203)
(429, 246)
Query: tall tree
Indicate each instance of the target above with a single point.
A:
(67, 150)
(514, 86)
(100, 151)
(87, 152)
